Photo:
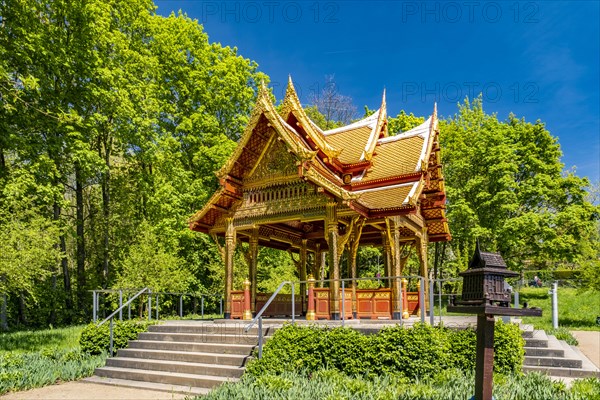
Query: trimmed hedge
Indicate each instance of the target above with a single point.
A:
(95, 340)
(414, 353)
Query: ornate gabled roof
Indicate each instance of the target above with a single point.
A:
(374, 174)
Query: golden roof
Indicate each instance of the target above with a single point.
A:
(359, 164)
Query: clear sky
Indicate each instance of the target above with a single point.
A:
(537, 59)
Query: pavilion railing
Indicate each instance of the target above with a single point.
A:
(154, 297)
(258, 319)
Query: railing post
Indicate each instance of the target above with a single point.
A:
(440, 299)
(120, 304)
(157, 306)
(343, 303)
(128, 308)
(516, 299)
(94, 312)
(310, 309)
(110, 346)
(422, 298)
(260, 337)
(293, 305)
(405, 313)
(555, 305)
(221, 305)
(181, 306)
(202, 306)
(431, 303)
(149, 304)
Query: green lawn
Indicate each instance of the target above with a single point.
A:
(31, 341)
(577, 310)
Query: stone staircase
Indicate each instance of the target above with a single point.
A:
(193, 357)
(556, 358)
(182, 357)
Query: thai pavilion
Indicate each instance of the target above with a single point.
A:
(290, 185)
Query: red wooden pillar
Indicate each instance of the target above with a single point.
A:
(247, 314)
(310, 311)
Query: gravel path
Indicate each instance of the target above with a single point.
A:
(589, 344)
(90, 391)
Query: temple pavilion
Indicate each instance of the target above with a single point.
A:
(293, 186)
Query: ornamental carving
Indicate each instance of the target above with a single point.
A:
(275, 164)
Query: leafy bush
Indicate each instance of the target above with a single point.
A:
(414, 353)
(21, 371)
(95, 339)
(563, 333)
(450, 384)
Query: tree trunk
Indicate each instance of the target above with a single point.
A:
(81, 279)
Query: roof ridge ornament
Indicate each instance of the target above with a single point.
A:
(380, 126)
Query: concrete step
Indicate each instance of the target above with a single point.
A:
(180, 367)
(552, 362)
(160, 387)
(235, 360)
(162, 377)
(561, 371)
(537, 339)
(553, 349)
(199, 338)
(526, 331)
(211, 329)
(220, 348)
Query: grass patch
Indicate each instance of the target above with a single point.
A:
(32, 341)
(30, 359)
(448, 385)
(577, 310)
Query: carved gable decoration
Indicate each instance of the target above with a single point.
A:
(276, 163)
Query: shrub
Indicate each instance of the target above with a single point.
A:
(450, 384)
(415, 352)
(20, 371)
(95, 339)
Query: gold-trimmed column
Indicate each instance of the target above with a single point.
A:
(229, 250)
(318, 262)
(247, 313)
(396, 285)
(421, 247)
(302, 274)
(331, 224)
(354, 243)
(387, 257)
(253, 265)
(310, 308)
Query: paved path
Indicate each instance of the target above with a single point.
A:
(90, 391)
(589, 344)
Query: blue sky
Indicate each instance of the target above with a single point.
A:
(537, 59)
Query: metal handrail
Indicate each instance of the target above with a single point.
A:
(111, 316)
(146, 289)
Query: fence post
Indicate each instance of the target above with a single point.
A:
(120, 305)
(293, 305)
(343, 304)
(516, 299)
(221, 305)
(157, 306)
(149, 304)
(128, 307)
(111, 338)
(202, 305)
(555, 305)
(422, 298)
(440, 299)
(181, 306)
(431, 303)
(94, 313)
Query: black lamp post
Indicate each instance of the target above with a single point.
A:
(484, 294)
